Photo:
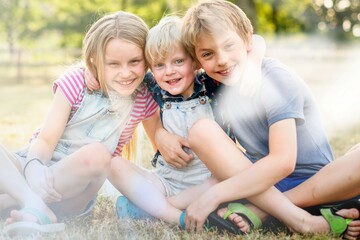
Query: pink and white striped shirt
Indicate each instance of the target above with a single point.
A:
(72, 84)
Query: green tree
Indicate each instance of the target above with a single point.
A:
(339, 17)
(21, 21)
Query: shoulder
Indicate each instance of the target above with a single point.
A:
(278, 75)
(274, 69)
(144, 104)
(71, 83)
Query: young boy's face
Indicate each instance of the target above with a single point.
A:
(175, 73)
(222, 57)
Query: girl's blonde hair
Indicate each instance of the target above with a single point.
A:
(118, 25)
(162, 38)
(213, 17)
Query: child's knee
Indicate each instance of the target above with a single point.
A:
(200, 129)
(97, 156)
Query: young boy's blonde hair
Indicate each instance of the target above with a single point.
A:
(118, 25)
(214, 17)
(162, 37)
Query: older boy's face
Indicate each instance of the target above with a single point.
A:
(175, 73)
(223, 57)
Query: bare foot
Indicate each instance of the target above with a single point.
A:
(353, 230)
(239, 221)
(30, 216)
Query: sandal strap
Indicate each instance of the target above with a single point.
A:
(245, 212)
(338, 224)
(40, 216)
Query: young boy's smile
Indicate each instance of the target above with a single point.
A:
(223, 57)
(175, 73)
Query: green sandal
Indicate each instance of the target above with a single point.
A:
(223, 224)
(338, 224)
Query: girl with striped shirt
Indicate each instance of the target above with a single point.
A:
(60, 172)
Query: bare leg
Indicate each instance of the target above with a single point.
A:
(13, 183)
(184, 198)
(7, 202)
(143, 188)
(79, 176)
(146, 191)
(335, 182)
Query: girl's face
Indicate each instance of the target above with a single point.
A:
(223, 57)
(124, 66)
(175, 73)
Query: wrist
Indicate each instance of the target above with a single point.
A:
(31, 161)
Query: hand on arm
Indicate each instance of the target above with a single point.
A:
(171, 147)
(39, 176)
(90, 81)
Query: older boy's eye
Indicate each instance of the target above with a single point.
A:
(206, 55)
(228, 46)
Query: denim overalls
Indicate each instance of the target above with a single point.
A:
(178, 118)
(97, 120)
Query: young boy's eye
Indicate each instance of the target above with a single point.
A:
(157, 65)
(179, 61)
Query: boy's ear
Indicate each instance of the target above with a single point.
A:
(249, 44)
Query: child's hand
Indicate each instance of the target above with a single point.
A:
(41, 180)
(90, 81)
(172, 148)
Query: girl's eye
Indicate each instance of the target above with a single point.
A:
(134, 62)
(113, 64)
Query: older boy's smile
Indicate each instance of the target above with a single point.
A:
(227, 72)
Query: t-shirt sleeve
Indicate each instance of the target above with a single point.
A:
(71, 84)
(151, 105)
(282, 95)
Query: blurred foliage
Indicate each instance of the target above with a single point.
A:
(63, 23)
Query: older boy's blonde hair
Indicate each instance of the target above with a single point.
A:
(118, 25)
(162, 37)
(213, 17)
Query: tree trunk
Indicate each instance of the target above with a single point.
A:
(249, 7)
